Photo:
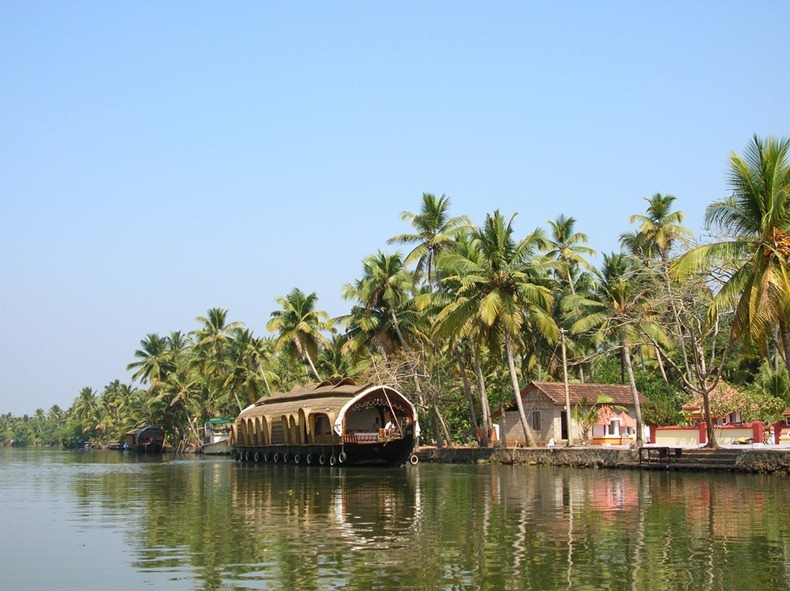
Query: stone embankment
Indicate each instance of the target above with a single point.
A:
(747, 459)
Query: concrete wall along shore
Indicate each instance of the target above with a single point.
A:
(747, 459)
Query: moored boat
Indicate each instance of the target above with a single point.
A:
(216, 437)
(328, 424)
(146, 438)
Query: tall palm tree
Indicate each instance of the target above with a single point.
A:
(300, 327)
(154, 360)
(567, 248)
(756, 221)
(658, 232)
(214, 335)
(660, 228)
(85, 410)
(385, 288)
(617, 312)
(246, 374)
(499, 291)
(434, 230)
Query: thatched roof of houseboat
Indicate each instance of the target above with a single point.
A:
(326, 398)
(143, 427)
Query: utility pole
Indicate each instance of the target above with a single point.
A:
(565, 384)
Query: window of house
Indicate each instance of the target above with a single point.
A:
(536, 420)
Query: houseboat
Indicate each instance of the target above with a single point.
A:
(216, 436)
(145, 438)
(328, 424)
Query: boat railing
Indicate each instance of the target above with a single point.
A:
(372, 436)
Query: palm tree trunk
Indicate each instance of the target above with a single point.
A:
(312, 365)
(443, 435)
(712, 442)
(631, 382)
(785, 336)
(661, 367)
(486, 407)
(467, 390)
(528, 436)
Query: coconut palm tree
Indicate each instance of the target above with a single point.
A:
(300, 327)
(155, 361)
(434, 231)
(499, 291)
(756, 222)
(567, 248)
(660, 228)
(385, 289)
(617, 312)
(85, 410)
(215, 334)
(658, 232)
(246, 374)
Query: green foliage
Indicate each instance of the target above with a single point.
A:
(493, 299)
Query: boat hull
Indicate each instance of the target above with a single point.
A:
(218, 448)
(385, 453)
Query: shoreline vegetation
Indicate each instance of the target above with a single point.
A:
(467, 315)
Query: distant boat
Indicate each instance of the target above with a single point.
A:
(146, 438)
(329, 424)
(216, 435)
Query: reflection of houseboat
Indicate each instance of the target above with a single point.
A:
(328, 424)
(216, 435)
(145, 438)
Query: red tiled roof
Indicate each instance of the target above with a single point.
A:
(618, 393)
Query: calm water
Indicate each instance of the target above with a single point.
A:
(105, 520)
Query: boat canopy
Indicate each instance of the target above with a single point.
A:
(335, 401)
(372, 396)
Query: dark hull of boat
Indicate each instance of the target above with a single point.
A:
(384, 453)
(154, 448)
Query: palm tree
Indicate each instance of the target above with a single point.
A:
(567, 248)
(385, 287)
(617, 312)
(756, 219)
(300, 326)
(660, 229)
(499, 292)
(214, 335)
(208, 354)
(155, 361)
(85, 410)
(246, 373)
(658, 232)
(434, 231)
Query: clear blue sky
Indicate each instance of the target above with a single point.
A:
(158, 159)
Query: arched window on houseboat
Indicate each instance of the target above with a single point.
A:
(278, 432)
(322, 428)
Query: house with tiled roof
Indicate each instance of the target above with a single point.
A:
(544, 405)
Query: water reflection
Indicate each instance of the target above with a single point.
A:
(214, 524)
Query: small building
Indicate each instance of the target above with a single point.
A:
(544, 405)
(613, 428)
(146, 438)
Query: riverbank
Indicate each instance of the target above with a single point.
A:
(742, 459)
